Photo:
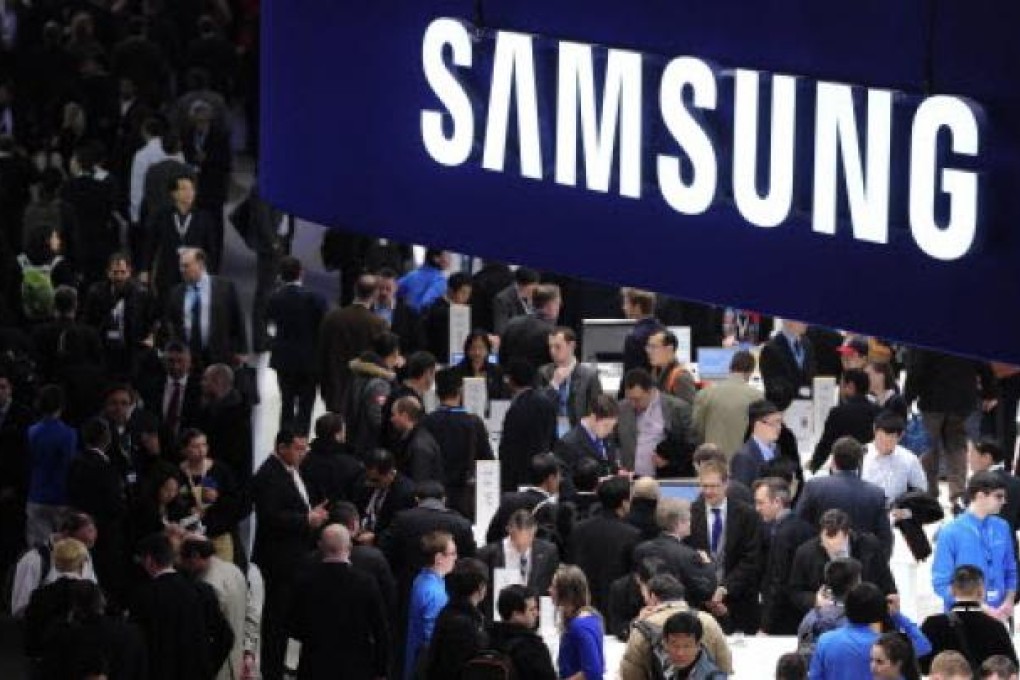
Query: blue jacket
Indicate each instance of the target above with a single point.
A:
(845, 653)
(428, 597)
(51, 445)
(422, 287)
(986, 544)
(581, 648)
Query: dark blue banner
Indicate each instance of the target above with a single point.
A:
(853, 164)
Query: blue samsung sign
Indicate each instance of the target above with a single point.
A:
(855, 165)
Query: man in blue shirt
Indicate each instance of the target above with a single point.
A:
(981, 538)
(845, 653)
(426, 284)
(749, 462)
(428, 595)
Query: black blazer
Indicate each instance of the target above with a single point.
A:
(742, 540)
(984, 635)
(526, 337)
(139, 311)
(779, 545)
(576, 445)
(683, 562)
(782, 376)
(602, 547)
(282, 534)
(528, 430)
(807, 570)
(863, 501)
(161, 258)
(401, 543)
(360, 645)
(510, 503)
(855, 417)
(399, 497)
(297, 313)
(191, 403)
(331, 472)
(506, 305)
(227, 335)
(462, 439)
(488, 282)
(545, 560)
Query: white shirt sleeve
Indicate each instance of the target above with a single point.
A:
(253, 614)
(26, 579)
(138, 168)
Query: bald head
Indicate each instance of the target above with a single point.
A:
(335, 543)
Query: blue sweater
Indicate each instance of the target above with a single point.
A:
(581, 648)
(985, 544)
(428, 597)
(51, 445)
(845, 653)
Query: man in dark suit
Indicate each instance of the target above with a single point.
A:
(570, 385)
(534, 559)
(783, 532)
(172, 392)
(602, 546)
(638, 305)
(330, 470)
(419, 375)
(417, 452)
(749, 462)
(269, 232)
(387, 492)
(346, 333)
(182, 226)
(834, 538)
(512, 301)
(96, 486)
(853, 417)
(401, 543)
(693, 569)
(436, 317)
(844, 489)
(529, 427)
(224, 418)
(296, 313)
(92, 197)
(206, 146)
(160, 175)
(123, 313)
(368, 558)
(285, 522)
(486, 284)
(544, 476)
(185, 632)
(527, 337)
(787, 364)
(359, 645)
(591, 439)
(730, 533)
(402, 319)
(205, 312)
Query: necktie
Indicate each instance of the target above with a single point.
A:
(173, 409)
(300, 484)
(798, 353)
(716, 529)
(524, 569)
(195, 341)
(600, 444)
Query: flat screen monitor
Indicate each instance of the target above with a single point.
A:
(682, 489)
(714, 362)
(602, 339)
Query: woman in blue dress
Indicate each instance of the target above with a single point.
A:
(581, 655)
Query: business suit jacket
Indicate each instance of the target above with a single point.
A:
(634, 353)
(526, 337)
(602, 547)
(153, 390)
(720, 413)
(401, 543)
(139, 312)
(855, 417)
(156, 197)
(863, 501)
(297, 313)
(782, 376)
(676, 418)
(741, 562)
(779, 544)
(684, 563)
(93, 199)
(510, 503)
(545, 559)
(370, 560)
(506, 305)
(227, 337)
(488, 282)
(345, 333)
(96, 486)
(576, 445)
(356, 647)
(528, 430)
(282, 534)
(584, 387)
(399, 497)
(748, 464)
(807, 571)
(162, 259)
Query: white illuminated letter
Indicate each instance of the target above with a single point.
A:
(456, 148)
(621, 108)
(513, 70)
(771, 209)
(693, 198)
(836, 135)
(953, 240)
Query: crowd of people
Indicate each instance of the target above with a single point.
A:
(129, 486)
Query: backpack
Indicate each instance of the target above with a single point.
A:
(45, 560)
(36, 288)
(489, 664)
